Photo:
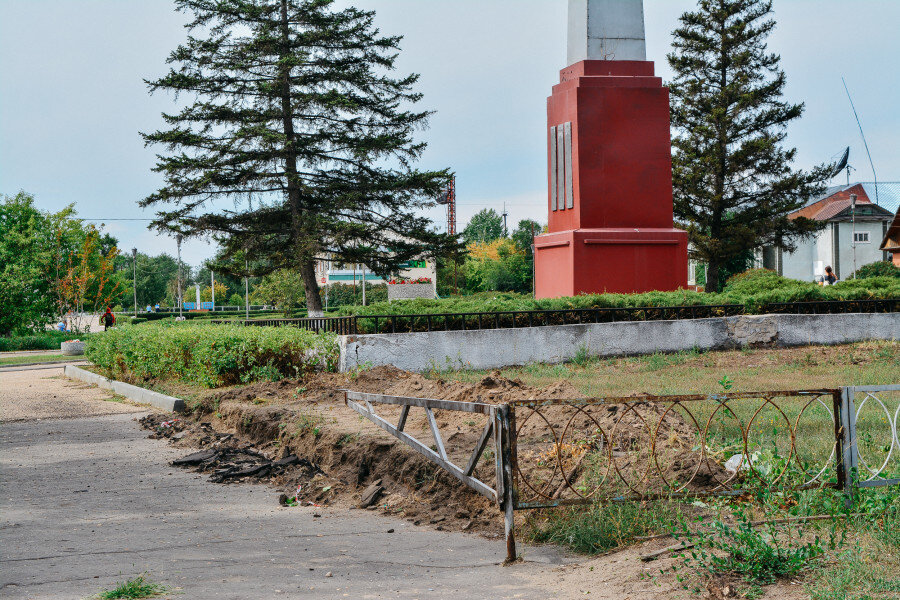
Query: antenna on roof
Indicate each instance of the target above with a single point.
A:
(869, 154)
(842, 164)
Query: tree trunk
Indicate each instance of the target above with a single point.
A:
(313, 300)
(712, 277)
(298, 233)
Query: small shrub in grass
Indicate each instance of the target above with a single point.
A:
(758, 554)
(601, 526)
(211, 355)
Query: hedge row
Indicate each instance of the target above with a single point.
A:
(753, 289)
(211, 356)
(47, 340)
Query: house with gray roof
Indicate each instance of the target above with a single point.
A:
(851, 237)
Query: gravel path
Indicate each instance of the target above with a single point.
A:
(43, 393)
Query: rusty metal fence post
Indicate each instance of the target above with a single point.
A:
(848, 466)
(505, 443)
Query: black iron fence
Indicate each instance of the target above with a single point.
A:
(827, 307)
(410, 323)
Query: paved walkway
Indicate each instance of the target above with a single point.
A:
(87, 502)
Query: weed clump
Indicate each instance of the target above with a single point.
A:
(138, 587)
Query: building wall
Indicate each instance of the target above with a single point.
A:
(801, 264)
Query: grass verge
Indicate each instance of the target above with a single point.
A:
(37, 358)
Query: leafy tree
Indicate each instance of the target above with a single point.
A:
(85, 282)
(498, 266)
(283, 288)
(485, 226)
(733, 181)
(524, 234)
(297, 122)
(26, 301)
(154, 273)
(221, 293)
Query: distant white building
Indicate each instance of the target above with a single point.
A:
(849, 235)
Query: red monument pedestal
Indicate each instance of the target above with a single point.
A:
(610, 201)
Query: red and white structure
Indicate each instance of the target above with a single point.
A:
(610, 164)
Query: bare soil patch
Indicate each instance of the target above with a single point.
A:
(300, 437)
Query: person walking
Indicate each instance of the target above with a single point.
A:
(107, 319)
(830, 277)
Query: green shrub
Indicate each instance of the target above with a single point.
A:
(48, 340)
(759, 555)
(884, 268)
(211, 355)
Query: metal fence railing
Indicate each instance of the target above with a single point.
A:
(568, 452)
(826, 307)
(424, 322)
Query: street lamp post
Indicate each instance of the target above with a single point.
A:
(853, 226)
(178, 238)
(134, 269)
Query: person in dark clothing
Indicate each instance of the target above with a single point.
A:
(830, 277)
(107, 319)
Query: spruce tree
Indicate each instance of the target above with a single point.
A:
(298, 143)
(733, 180)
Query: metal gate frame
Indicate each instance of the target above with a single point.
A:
(501, 428)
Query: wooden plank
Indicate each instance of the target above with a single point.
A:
(421, 448)
(404, 412)
(479, 449)
(436, 433)
(472, 407)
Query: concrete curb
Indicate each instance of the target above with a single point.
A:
(132, 392)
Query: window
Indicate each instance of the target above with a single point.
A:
(861, 237)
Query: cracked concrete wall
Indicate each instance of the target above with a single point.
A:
(495, 348)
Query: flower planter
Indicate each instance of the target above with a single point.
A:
(410, 291)
(73, 348)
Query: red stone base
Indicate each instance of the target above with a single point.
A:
(596, 261)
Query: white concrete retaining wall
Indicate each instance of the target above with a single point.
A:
(132, 392)
(495, 348)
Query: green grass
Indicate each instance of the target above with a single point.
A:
(600, 527)
(137, 587)
(868, 569)
(36, 358)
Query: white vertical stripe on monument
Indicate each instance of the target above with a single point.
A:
(570, 194)
(561, 165)
(553, 168)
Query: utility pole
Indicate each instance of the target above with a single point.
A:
(853, 226)
(212, 288)
(364, 282)
(247, 289)
(179, 237)
(134, 269)
(533, 279)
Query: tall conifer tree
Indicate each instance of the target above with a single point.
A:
(734, 184)
(298, 144)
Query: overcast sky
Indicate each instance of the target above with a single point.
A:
(72, 98)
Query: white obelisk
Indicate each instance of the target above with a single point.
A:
(606, 30)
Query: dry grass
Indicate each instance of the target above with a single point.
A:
(699, 372)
